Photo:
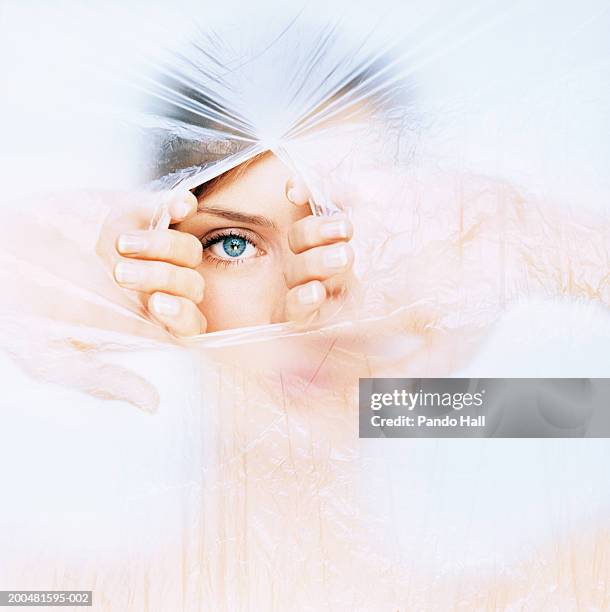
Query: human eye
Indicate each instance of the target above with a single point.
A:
(230, 246)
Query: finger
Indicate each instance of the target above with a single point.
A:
(151, 276)
(179, 205)
(319, 263)
(304, 301)
(313, 231)
(180, 316)
(297, 192)
(172, 246)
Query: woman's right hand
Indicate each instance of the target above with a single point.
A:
(160, 264)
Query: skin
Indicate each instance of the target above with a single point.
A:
(292, 265)
(459, 252)
(476, 238)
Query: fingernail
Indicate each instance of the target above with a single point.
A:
(127, 273)
(291, 194)
(182, 208)
(131, 243)
(334, 229)
(310, 294)
(335, 258)
(165, 305)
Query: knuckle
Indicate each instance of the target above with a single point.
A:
(302, 234)
(194, 250)
(288, 279)
(310, 234)
(196, 285)
(166, 246)
(177, 329)
(291, 273)
(191, 324)
(170, 277)
(293, 237)
(310, 231)
(191, 328)
(311, 264)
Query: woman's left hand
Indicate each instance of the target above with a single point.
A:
(320, 260)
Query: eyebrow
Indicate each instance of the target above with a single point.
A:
(233, 215)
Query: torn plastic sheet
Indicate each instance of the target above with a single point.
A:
(247, 488)
(228, 95)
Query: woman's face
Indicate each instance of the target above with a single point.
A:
(243, 226)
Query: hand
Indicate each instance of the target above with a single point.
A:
(160, 264)
(318, 268)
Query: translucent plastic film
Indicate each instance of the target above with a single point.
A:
(230, 93)
(217, 218)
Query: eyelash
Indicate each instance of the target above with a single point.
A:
(215, 238)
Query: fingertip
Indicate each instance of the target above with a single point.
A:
(164, 306)
(336, 227)
(183, 205)
(191, 198)
(296, 192)
(305, 301)
(311, 294)
(337, 258)
(180, 316)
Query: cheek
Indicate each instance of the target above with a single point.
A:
(247, 295)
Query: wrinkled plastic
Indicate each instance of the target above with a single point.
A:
(216, 102)
(246, 487)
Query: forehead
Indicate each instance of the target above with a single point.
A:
(259, 189)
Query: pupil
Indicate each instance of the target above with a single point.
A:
(234, 246)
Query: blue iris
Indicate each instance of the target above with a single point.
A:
(234, 246)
